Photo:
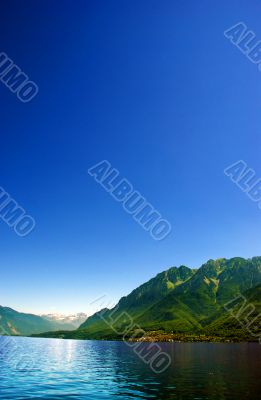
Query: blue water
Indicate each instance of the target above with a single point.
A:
(67, 369)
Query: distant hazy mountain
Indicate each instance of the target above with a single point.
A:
(183, 300)
(73, 320)
(16, 323)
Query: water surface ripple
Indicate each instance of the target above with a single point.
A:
(57, 369)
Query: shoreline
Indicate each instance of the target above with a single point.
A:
(162, 338)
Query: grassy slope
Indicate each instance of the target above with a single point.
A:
(181, 300)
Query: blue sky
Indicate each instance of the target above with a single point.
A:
(155, 88)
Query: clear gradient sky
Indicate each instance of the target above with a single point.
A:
(154, 87)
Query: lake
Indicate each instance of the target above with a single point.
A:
(57, 369)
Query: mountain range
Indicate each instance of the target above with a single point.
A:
(220, 299)
(15, 323)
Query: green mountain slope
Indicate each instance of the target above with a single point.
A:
(189, 306)
(242, 316)
(181, 300)
(15, 323)
(148, 294)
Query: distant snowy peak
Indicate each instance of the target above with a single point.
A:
(73, 319)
